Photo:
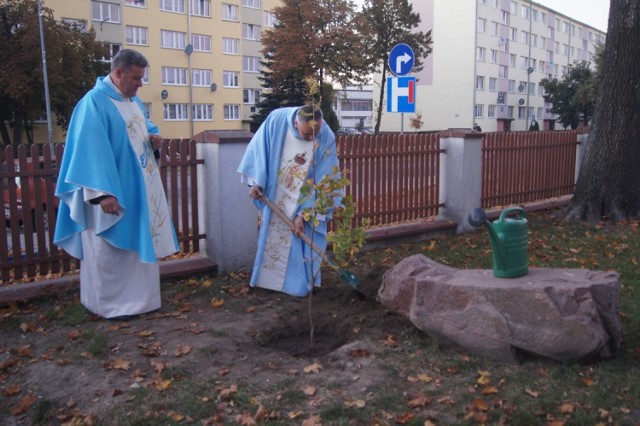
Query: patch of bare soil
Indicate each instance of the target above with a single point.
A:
(216, 351)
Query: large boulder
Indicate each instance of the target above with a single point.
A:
(561, 314)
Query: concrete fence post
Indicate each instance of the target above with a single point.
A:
(229, 217)
(460, 175)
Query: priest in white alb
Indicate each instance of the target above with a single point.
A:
(293, 145)
(113, 213)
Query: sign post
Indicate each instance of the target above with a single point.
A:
(401, 91)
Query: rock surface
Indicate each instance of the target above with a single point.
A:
(562, 314)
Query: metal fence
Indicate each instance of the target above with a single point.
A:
(29, 175)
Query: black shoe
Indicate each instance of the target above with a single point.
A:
(123, 318)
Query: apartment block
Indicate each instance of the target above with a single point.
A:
(204, 55)
(354, 107)
(487, 62)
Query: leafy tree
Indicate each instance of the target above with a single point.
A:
(312, 38)
(385, 23)
(608, 186)
(573, 96)
(73, 63)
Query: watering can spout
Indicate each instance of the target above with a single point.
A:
(509, 241)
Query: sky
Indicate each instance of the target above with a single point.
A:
(591, 12)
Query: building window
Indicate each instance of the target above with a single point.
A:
(251, 32)
(521, 112)
(114, 48)
(356, 105)
(137, 35)
(524, 37)
(504, 17)
(503, 71)
(270, 19)
(512, 60)
(202, 112)
(479, 82)
(201, 43)
(200, 8)
(174, 76)
(524, 12)
(543, 17)
(524, 62)
(493, 84)
(494, 56)
(491, 111)
(478, 111)
(230, 46)
(232, 112)
(146, 106)
(512, 86)
(250, 96)
(176, 112)
(201, 78)
(513, 34)
(172, 39)
(532, 89)
(501, 98)
(534, 15)
(495, 28)
(176, 6)
(229, 12)
(510, 111)
(251, 3)
(504, 44)
(480, 54)
(145, 77)
(534, 40)
(105, 12)
(139, 3)
(251, 64)
(230, 79)
(482, 25)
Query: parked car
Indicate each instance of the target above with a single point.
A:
(30, 192)
(347, 131)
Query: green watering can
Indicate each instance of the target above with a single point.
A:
(509, 241)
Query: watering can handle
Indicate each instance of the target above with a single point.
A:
(506, 211)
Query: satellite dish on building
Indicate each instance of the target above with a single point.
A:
(164, 94)
(189, 49)
(214, 87)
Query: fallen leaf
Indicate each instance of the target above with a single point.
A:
(309, 390)
(182, 350)
(145, 333)
(294, 414)
(531, 393)
(588, 381)
(405, 418)
(250, 309)
(312, 421)
(217, 303)
(158, 366)
(390, 341)
(226, 393)
(566, 408)
(122, 364)
(313, 368)
(24, 404)
(358, 403)
(485, 378)
(489, 390)
(223, 372)
(74, 334)
(425, 378)
(162, 385)
(480, 405)
(419, 401)
(13, 389)
(245, 420)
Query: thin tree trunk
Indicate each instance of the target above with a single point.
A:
(383, 84)
(609, 185)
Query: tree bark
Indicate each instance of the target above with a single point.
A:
(608, 186)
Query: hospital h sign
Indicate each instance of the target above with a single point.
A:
(401, 94)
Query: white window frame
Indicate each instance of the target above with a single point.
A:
(176, 112)
(105, 12)
(491, 111)
(251, 32)
(138, 36)
(481, 54)
(251, 96)
(201, 43)
(269, 19)
(231, 79)
(201, 77)
(173, 39)
(479, 82)
(202, 112)
(512, 86)
(251, 64)
(493, 56)
(482, 25)
(495, 28)
(478, 111)
(136, 3)
(230, 12)
(200, 8)
(174, 76)
(231, 112)
(174, 6)
(230, 46)
(251, 3)
(493, 84)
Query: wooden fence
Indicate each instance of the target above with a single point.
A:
(521, 167)
(29, 177)
(394, 178)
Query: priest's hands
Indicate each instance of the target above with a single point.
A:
(110, 205)
(156, 141)
(255, 192)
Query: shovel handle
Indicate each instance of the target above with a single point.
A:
(289, 223)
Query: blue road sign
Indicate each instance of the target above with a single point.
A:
(401, 59)
(401, 94)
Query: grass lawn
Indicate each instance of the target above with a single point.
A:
(207, 357)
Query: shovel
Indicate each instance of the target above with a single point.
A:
(347, 276)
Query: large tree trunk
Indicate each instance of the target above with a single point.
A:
(609, 183)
